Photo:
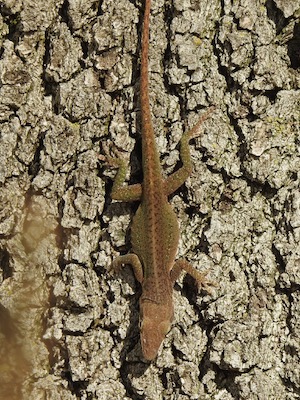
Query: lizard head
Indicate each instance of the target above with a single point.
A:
(155, 324)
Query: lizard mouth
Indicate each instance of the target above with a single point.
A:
(152, 335)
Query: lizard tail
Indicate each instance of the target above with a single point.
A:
(145, 102)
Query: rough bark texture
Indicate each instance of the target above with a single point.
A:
(69, 83)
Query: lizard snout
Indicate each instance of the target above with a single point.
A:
(155, 324)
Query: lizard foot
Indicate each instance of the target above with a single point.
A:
(200, 277)
(114, 161)
(196, 130)
(203, 282)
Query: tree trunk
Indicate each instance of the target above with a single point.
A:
(69, 91)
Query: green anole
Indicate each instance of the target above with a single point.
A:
(154, 230)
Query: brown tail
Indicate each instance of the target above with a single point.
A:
(144, 93)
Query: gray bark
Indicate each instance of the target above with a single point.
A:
(69, 76)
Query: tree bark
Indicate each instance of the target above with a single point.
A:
(69, 91)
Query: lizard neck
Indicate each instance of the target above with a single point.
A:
(151, 163)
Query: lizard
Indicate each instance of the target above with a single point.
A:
(155, 229)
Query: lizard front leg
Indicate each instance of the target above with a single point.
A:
(131, 259)
(200, 277)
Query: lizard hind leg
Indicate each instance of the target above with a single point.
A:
(119, 190)
(196, 131)
(175, 180)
